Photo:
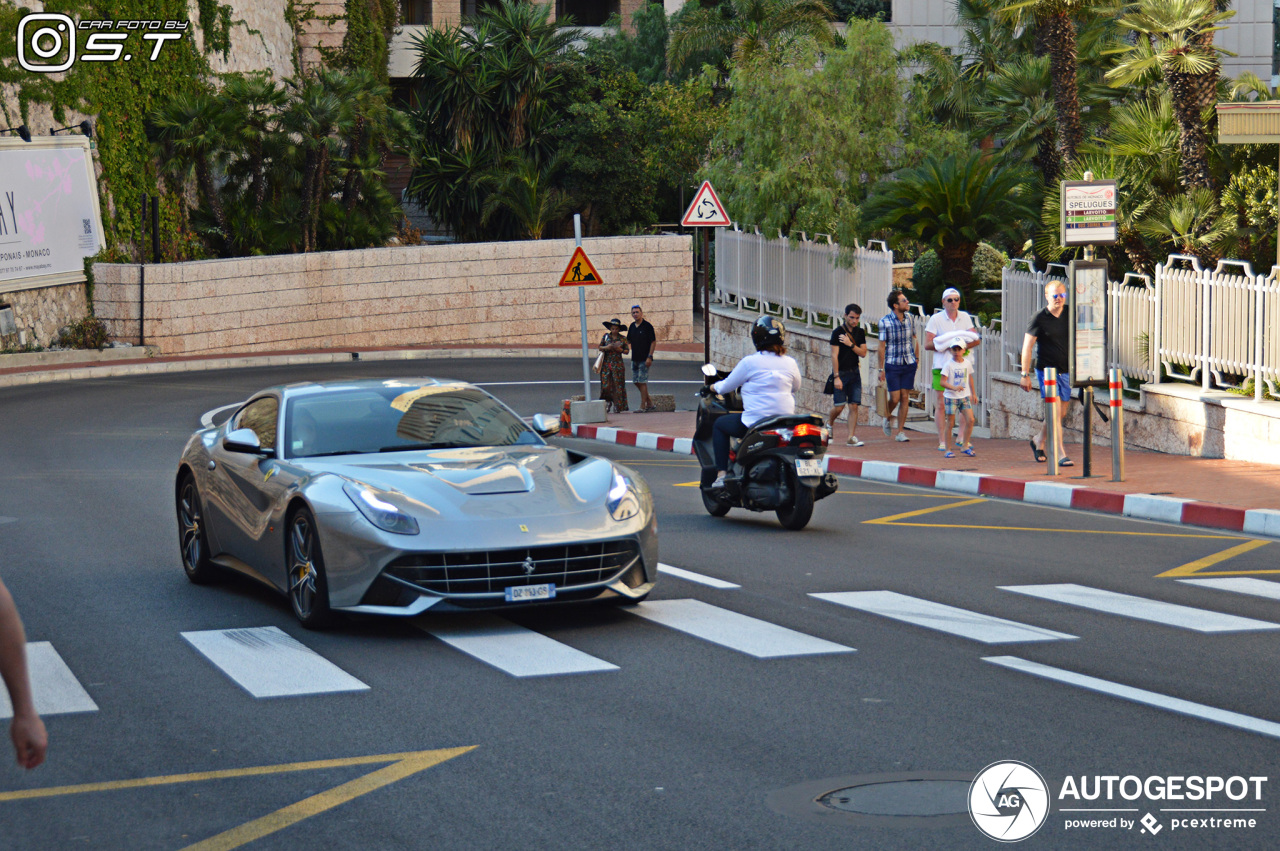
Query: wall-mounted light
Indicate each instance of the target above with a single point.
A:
(21, 130)
(84, 127)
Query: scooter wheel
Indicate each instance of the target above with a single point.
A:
(796, 516)
(714, 507)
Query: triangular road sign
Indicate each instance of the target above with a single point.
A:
(706, 210)
(579, 272)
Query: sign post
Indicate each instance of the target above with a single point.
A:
(581, 273)
(1088, 219)
(706, 212)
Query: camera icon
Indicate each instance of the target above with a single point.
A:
(46, 36)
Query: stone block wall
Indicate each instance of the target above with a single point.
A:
(426, 295)
(40, 313)
(810, 346)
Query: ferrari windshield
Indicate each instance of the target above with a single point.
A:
(398, 417)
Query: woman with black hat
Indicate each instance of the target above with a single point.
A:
(613, 372)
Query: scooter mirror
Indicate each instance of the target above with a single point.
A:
(709, 370)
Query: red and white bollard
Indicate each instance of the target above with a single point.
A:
(1051, 418)
(1115, 385)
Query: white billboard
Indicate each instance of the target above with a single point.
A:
(49, 217)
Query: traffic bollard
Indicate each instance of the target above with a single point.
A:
(1115, 385)
(1051, 418)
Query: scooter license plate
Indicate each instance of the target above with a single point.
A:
(808, 467)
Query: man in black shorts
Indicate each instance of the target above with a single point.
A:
(848, 343)
(644, 342)
(1049, 336)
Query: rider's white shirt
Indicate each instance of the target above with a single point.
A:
(768, 383)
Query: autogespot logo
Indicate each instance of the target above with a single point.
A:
(47, 42)
(1008, 801)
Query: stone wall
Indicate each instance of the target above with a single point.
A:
(409, 296)
(810, 346)
(40, 313)
(1177, 419)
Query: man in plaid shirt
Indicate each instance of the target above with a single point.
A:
(899, 352)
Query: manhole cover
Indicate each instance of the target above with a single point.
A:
(901, 798)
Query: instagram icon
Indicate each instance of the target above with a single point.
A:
(46, 36)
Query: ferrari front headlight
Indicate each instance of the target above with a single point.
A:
(621, 501)
(379, 511)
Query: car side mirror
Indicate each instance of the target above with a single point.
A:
(546, 425)
(243, 440)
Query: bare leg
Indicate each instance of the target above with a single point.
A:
(940, 416)
(853, 421)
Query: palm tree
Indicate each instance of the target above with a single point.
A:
(527, 191)
(747, 29)
(1172, 41)
(1055, 22)
(951, 205)
(1190, 223)
(191, 129)
(316, 117)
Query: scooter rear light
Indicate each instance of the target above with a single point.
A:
(784, 435)
(808, 430)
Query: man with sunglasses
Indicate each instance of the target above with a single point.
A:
(1049, 335)
(950, 319)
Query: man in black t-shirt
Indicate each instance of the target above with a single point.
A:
(1049, 336)
(848, 343)
(644, 342)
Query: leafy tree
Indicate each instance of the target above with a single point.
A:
(747, 29)
(802, 140)
(951, 205)
(867, 10)
(528, 192)
(1190, 223)
(1171, 40)
(645, 53)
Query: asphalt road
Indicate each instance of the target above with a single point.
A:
(682, 742)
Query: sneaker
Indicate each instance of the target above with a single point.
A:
(885, 428)
(719, 482)
(853, 441)
(902, 437)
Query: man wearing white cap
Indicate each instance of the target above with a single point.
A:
(946, 322)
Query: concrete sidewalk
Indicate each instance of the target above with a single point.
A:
(1210, 492)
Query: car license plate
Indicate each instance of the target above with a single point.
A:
(524, 593)
(808, 467)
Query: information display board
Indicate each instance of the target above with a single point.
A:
(1088, 212)
(49, 218)
(1087, 301)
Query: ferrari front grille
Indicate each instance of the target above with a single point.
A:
(493, 571)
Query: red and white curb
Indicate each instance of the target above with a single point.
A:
(1255, 521)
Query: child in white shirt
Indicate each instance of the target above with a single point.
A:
(958, 396)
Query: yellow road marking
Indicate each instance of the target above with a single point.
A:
(1040, 529)
(317, 804)
(1192, 568)
(402, 765)
(895, 517)
(911, 495)
(687, 484)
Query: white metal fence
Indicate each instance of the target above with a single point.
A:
(1190, 324)
(801, 280)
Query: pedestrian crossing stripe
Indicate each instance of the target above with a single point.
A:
(268, 662)
(943, 618)
(1240, 585)
(516, 650)
(689, 575)
(744, 634)
(54, 689)
(1127, 605)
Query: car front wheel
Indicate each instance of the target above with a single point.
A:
(193, 543)
(308, 586)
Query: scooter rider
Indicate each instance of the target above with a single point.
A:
(769, 380)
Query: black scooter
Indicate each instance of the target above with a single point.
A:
(776, 466)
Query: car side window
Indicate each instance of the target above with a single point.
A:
(261, 415)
